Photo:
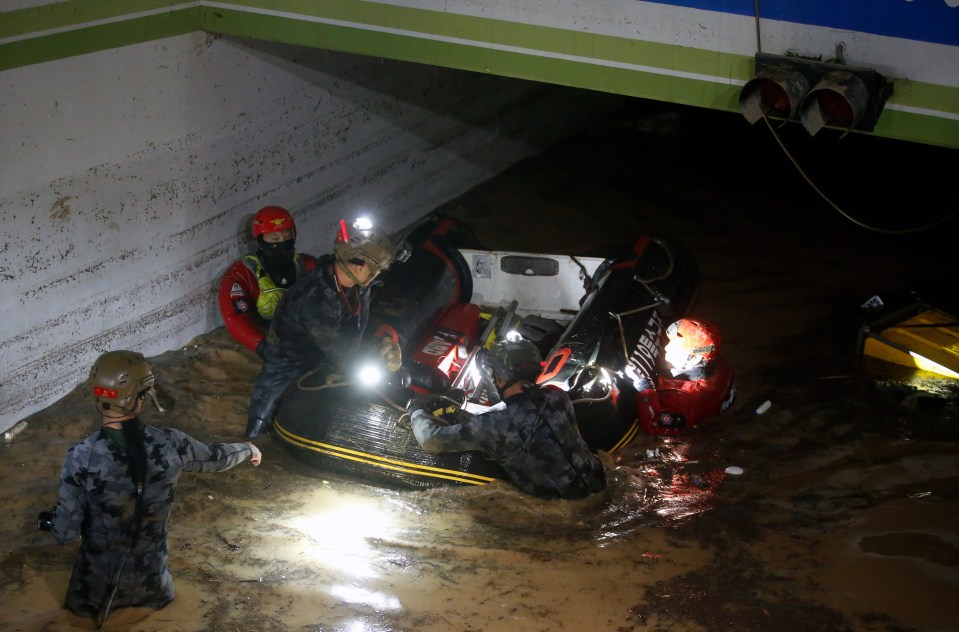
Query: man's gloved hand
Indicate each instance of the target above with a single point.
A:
(259, 347)
(443, 407)
(433, 405)
(45, 519)
(391, 353)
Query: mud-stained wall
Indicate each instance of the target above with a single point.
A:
(130, 176)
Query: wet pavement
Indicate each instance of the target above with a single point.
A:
(845, 516)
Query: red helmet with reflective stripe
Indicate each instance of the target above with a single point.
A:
(699, 338)
(272, 219)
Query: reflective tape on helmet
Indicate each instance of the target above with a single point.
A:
(109, 393)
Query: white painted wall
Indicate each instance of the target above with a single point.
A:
(129, 177)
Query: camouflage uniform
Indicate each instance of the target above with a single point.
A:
(315, 327)
(98, 501)
(535, 439)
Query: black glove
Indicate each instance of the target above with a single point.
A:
(259, 348)
(45, 519)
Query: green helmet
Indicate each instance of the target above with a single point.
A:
(514, 360)
(364, 243)
(118, 378)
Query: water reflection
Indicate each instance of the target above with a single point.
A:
(357, 595)
(659, 483)
(341, 530)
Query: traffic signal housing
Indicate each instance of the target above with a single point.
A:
(814, 92)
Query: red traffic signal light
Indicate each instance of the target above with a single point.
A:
(841, 96)
(777, 90)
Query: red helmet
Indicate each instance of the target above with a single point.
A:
(272, 219)
(698, 338)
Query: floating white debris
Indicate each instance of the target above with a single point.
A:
(766, 405)
(12, 432)
(734, 470)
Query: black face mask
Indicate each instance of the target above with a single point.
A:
(278, 260)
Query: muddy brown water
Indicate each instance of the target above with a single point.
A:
(845, 516)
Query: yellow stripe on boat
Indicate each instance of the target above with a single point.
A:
(380, 461)
(928, 340)
(627, 437)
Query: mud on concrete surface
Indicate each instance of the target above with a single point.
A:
(844, 518)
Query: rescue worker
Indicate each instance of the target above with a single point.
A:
(253, 284)
(535, 438)
(695, 382)
(116, 489)
(319, 325)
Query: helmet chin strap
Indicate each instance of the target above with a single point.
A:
(130, 413)
(508, 384)
(156, 402)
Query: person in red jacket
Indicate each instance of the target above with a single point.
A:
(695, 382)
(253, 284)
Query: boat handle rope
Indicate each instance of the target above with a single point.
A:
(381, 394)
(590, 400)
(619, 321)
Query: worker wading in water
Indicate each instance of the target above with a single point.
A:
(534, 438)
(116, 490)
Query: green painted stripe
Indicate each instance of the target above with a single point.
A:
(504, 33)
(598, 52)
(894, 124)
(925, 95)
(465, 57)
(97, 38)
(918, 128)
(64, 14)
(605, 49)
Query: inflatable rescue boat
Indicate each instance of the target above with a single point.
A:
(598, 322)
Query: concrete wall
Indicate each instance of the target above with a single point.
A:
(129, 177)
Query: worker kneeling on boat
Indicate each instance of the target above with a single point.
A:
(319, 323)
(534, 437)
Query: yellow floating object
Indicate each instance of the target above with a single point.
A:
(918, 336)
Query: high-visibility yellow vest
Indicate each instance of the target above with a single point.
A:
(270, 293)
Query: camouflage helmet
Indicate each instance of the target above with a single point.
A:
(364, 243)
(118, 379)
(514, 360)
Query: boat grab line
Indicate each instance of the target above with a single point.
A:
(627, 437)
(364, 457)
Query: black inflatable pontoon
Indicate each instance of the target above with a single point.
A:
(604, 352)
